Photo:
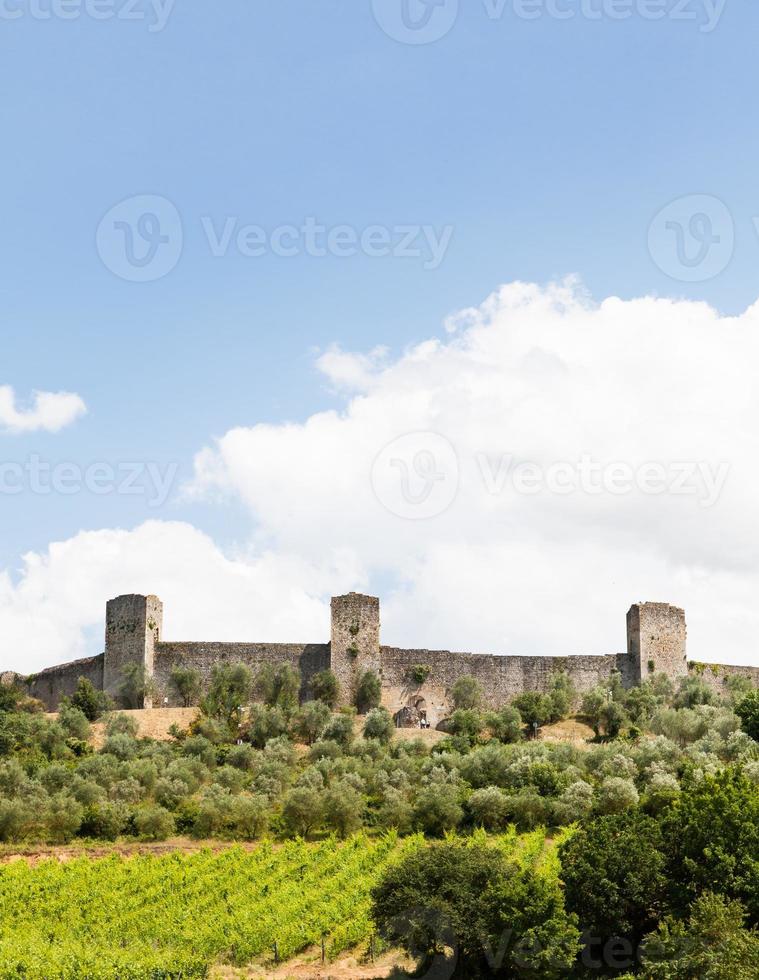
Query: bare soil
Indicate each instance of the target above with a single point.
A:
(308, 966)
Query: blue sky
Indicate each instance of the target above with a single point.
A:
(545, 147)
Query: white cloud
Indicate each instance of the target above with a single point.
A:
(49, 412)
(544, 376)
(537, 375)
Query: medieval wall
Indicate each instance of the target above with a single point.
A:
(308, 658)
(717, 675)
(502, 678)
(53, 683)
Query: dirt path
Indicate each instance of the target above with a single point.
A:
(308, 966)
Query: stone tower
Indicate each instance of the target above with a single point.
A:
(656, 636)
(133, 625)
(355, 640)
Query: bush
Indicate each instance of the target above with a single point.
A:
(438, 809)
(326, 687)
(264, 724)
(229, 691)
(339, 730)
(466, 694)
(379, 725)
(62, 817)
(91, 702)
(616, 794)
(135, 686)
(279, 687)
(104, 820)
(120, 724)
(249, 817)
(747, 710)
(693, 691)
(505, 725)
(467, 723)
(535, 708)
(419, 673)
(153, 822)
(310, 721)
(187, 683)
(343, 808)
(368, 692)
(614, 874)
(498, 919)
(74, 722)
(489, 808)
(301, 811)
(711, 840)
(713, 943)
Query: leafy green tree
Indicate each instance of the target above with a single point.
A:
(711, 840)
(62, 817)
(616, 794)
(91, 702)
(279, 687)
(379, 725)
(693, 691)
(489, 808)
(466, 694)
(326, 687)
(505, 725)
(498, 919)
(747, 710)
(263, 724)
(438, 809)
(712, 945)
(343, 808)
(153, 822)
(310, 721)
(229, 691)
(340, 730)
(562, 695)
(302, 811)
(74, 722)
(368, 692)
(466, 722)
(535, 708)
(614, 874)
(135, 686)
(187, 683)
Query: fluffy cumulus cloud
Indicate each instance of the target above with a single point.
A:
(510, 487)
(49, 411)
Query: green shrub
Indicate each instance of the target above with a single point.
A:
(153, 822)
(368, 692)
(326, 687)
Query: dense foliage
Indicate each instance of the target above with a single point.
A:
(657, 820)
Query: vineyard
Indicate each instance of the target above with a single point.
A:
(173, 916)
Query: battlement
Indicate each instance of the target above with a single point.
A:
(656, 644)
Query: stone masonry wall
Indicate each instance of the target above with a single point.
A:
(501, 677)
(717, 675)
(51, 684)
(308, 658)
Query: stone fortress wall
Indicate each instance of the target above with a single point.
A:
(656, 643)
